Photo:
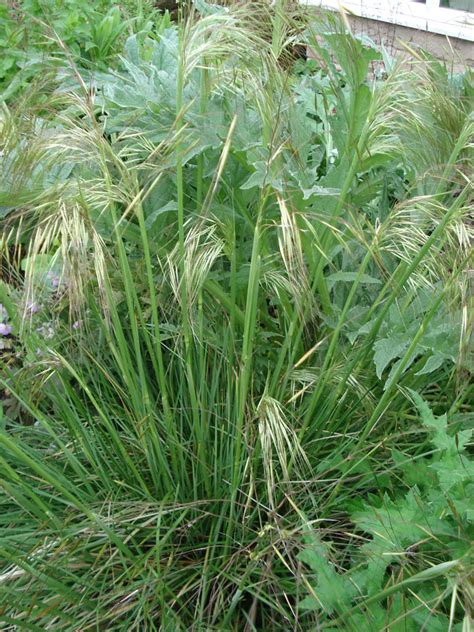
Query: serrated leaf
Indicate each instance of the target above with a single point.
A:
(394, 524)
(334, 591)
(262, 176)
(439, 426)
(415, 472)
(453, 469)
(387, 350)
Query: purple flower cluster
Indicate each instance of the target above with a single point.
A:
(57, 282)
(5, 328)
(32, 307)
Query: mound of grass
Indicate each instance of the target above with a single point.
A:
(225, 285)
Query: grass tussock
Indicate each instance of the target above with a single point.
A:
(235, 328)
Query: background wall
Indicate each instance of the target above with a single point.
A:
(461, 52)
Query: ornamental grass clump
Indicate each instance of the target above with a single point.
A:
(257, 271)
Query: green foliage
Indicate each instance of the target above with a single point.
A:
(223, 284)
(10, 38)
(37, 34)
(423, 528)
(438, 346)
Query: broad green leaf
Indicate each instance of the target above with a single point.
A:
(333, 591)
(387, 350)
(433, 363)
(262, 176)
(349, 277)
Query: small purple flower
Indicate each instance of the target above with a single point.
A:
(76, 324)
(32, 307)
(5, 330)
(54, 279)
